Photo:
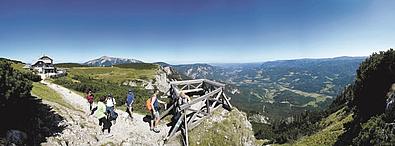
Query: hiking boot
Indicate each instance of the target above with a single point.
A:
(156, 130)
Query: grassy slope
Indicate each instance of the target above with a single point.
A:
(333, 128)
(113, 74)
(116, 75)
(19, 67)
(46, 93)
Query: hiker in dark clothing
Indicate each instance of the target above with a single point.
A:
(129, 103)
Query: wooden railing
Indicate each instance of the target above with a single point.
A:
(206, 96)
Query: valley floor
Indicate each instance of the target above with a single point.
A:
(82, 129)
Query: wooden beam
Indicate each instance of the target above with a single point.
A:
(175, 127)
(193, 86)
(200, 85)
(193, 90)
(216, 99)
(184, 106)
(186, 82)
(208, 106)
(192, 118)
(186, 130)
(183, 87)
(226, 100)
(167, 111)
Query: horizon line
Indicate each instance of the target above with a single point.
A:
(210, 63)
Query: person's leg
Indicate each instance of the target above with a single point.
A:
(102, 122)
(156, 115)
(93, 110)
(157, 118)
(152, 120)
(128, 111)
(106, 123)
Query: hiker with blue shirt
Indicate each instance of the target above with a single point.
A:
(129, 103)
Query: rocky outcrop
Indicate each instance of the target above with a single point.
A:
(257, 118)
(16, 137)
(224, 128)
(162, 82)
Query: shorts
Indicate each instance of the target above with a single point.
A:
(155, 115)
(130, 105)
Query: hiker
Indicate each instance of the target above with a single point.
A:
(90, 97)
(101, 114)
(185, 98)
(129, 103)
(154, 104)
(110, 107)
(182, 98)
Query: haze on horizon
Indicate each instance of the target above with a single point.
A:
(204, 31)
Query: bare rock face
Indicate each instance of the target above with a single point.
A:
(259, 118)
(162, 82)
(168, 70)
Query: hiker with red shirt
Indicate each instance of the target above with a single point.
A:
(90, 97)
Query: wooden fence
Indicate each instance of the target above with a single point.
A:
(206, 96)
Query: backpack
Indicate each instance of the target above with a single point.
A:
(148, 104)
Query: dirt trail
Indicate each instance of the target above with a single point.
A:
(82, 129)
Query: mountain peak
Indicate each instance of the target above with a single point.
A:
(109, 61)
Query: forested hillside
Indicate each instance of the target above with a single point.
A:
(25, 120)
(280, 89)
(361, 115)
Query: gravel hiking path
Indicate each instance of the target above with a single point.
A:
(82, 129)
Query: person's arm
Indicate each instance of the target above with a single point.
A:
(188, 98)
(162, 102)
(152, 102)
(115, 102)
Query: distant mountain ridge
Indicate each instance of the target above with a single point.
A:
(109, 61)
(277, 85)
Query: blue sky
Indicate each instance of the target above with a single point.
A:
(187, 31)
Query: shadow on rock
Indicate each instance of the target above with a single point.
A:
(27, 121)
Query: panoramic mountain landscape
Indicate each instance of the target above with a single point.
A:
(309, 96)
(197, 73)
(279, 89)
